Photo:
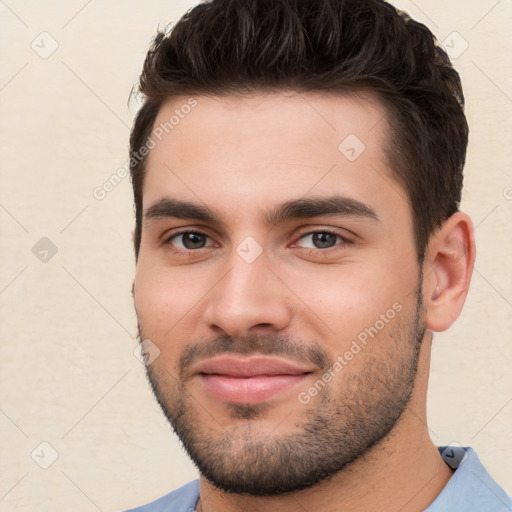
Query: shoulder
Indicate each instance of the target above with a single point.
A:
(183, 499)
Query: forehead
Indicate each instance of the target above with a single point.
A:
(262, 147)
(318, 119)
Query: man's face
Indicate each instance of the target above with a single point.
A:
(285, 299)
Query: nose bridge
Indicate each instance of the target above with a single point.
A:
(247, 278)
(248, 295)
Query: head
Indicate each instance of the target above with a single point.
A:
(344, 46)
(297, 172)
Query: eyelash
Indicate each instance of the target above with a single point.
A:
(338, 246)
(344, 241)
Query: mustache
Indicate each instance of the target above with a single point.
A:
(261, 344)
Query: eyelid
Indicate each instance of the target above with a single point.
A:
(167, 238)
(170, 233)
(345, 239)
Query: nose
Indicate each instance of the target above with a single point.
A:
(249, 300)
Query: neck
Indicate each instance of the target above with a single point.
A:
(403, 472)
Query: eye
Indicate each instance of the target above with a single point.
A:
(322, 240)
(188, 240)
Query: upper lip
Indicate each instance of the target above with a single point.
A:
(233, 366)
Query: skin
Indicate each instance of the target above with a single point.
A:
(241, 156)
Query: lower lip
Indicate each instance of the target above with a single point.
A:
(249, 390)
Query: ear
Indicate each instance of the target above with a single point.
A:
(447, 271)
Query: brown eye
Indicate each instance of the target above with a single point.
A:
(321, 240)
(324, 240)
(193, 240)
(188, 240)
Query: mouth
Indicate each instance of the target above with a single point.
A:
(249, 380)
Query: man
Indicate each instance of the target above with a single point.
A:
(297, 171)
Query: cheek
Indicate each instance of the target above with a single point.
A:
(350, 298)
(168, 305)
(159, 301)
(158, 313)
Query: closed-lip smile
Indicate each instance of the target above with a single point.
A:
(251, 379)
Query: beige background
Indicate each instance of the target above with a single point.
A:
(68, 373)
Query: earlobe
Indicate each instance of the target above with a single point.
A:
(447, 269)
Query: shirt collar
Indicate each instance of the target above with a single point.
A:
(471, 488)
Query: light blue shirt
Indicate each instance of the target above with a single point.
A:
(470, 489)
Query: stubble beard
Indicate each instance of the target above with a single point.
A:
(337, 427)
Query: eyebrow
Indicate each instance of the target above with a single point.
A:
(318, 206)
(289, 210)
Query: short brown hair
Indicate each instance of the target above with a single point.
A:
(241, 46)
